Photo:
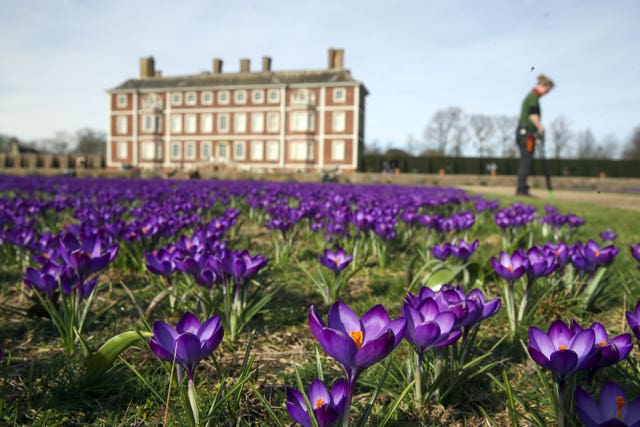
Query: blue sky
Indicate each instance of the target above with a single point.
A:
(415, 57)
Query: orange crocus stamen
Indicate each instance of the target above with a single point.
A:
(510, 267)
(597, 253)
(621, 403)
(602, 343)
(319, 403)
(144, 229)
(357, 338)
(563, 347)
(335, 260)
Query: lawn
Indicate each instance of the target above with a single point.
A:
(112, 266)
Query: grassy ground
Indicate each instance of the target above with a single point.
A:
(42, 386)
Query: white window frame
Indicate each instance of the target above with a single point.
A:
(148, 122)
(205, 150)
(122, 101)
(190, 150)
(122, 125)
(338, 150)
(301, 151)
(257, 122)
(176, 150)
(339, 121)
(339, 95)
(190, 98)
(257, 96)
(223, 146)
(302, 121)
(240, 96)
(203, 97)
(176, 123)
(223, 97)
(206, 123)
(273, 96)
(122, 150)
(239, 150)
(257, 150)
(273, 121)
(151, 151)
(223, 127)
(176, 98)
(273, 150)
(240, 122)
(190, 123)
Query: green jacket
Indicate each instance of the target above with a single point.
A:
(530, 105)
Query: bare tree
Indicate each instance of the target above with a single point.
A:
(608, 148)
(560, 134)
(441, 125)
(60, 143)
(412, 144)
(586, 145)
(460, 139)
(91, 141)
(632, 149)
(372, 147)
(506, 130)
(483, 129)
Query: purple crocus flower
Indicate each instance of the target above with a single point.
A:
(511, 268)
(635, 251)
(561, 350)
(441, 252)
(559, 252)
(633, 319)
(600, 256)
(464, 250)
(44, 280)
(356, 343)
(328, 406)
(162, 261)
(188, 343)
(335, 261)
(428, 326)
(540, 264)
(608, 235)
(86, 258)
(613, 350)
(613, 411)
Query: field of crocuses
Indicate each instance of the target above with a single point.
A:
(159, 302)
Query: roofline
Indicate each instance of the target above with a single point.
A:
(234, 86)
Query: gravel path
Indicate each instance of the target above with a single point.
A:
(617, 200)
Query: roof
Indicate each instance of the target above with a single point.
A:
(239, 79)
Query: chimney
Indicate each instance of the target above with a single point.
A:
(147, 67)
(338, 59)
(158, 73)
(266, 64)
(217, 66)
(245, 65)
(331, 56)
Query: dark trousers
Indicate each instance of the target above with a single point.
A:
(526, 159)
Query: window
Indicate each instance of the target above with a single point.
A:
(339, 95)
(273, 95)
(122, 125)
(190, 150)
(122, 151)
(338, 121)
(152, 101)
(205, 150)
(337, 150)
(176, 150)
(273, 150)
(121, 101)
(190, 123)
(176, 123)
(273, 121)
(223, 97)
(257, 96)
(190, 98)
(239, 150)
(223, 122)
(151, 123)
(151, 150)
(302, 121)
(257, 150)
(301, 150)
(207, 98)
(222, 151)
(257, 122)
(240, 96)
(176, 98)
(206, 123)
(240, 122)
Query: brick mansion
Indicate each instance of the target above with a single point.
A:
(260, 120)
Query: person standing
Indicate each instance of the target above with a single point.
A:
(530, 130)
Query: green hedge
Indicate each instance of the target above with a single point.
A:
(506, 166)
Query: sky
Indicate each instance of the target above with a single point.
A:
(58, 58)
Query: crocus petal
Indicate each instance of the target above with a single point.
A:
(208, 328)
(425, 334)
(609, 395)
(295, 397)
(317, 390)
(342, 318)
(539, 357)
(299, 415)
(188, 323)
(399, 327)
(374, 322)
(187, 348)
(588, 410)
(164, 335)
(633, 413)
(583, 343)
(338, 345)
(560, 334)
(563, 362)
(541, 341)
(375, 350)
(160, 351)
(315, 323)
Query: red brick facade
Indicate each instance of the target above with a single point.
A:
(262, 120)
